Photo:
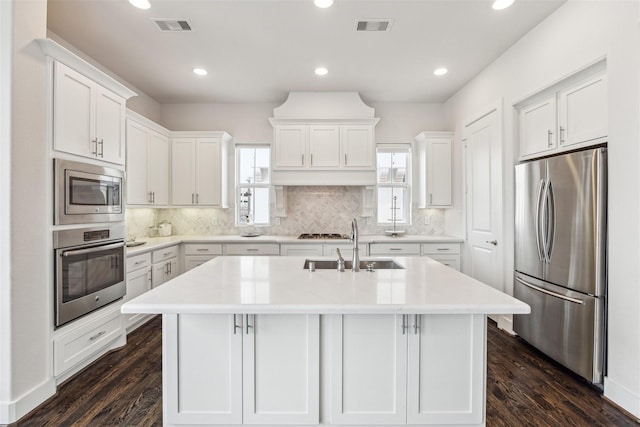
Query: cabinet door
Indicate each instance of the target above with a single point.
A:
(74, 114)
(158, 168)
(446, 369)
(183, 165)
(358, 147)
(208, 176)
(439, 172)
(368, 369)
(301, 249)
(138, 282)
(202, 364)
(137, 192)
(324, 146)
(281, 369)
(193, 261)
(538, 127)
(290, 146)
(160, 273)
(110, 119)
(583, 111)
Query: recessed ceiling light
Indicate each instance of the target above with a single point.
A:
(440, 71)
(321, 71)
(323, 3)
(501, 4)
(141, 4)
(200, 71)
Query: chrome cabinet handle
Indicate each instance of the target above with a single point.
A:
(153, 197)
(395, 249)
(193, 199)
(236, 325)
(139, 262)
(311, 159)
(302, 164)
(96, 336)
(95, 150)
(443, 249)
(197, 198)
(549, 133)
(430, 198)
(202, 250)
(247, 324)
(404, 325)
(101, 149)
(345, 160)
(416, 323)
(252, 249)
(561, 134)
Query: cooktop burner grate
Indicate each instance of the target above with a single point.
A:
(322, 236)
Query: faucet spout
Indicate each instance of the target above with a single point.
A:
(355, 262)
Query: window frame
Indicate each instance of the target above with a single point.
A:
(404, 148)
(237, 184)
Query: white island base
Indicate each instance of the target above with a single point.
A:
(250, 340)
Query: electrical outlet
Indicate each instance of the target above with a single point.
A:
(214, 221)
(277, 220)
(427, 220)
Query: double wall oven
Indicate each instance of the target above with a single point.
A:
(89, 259)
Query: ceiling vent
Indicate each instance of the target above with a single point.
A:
(172, 25)
(373, 25)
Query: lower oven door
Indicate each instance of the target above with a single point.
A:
(88, 278)
(566, 325)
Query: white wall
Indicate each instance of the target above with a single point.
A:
(579, 33)
(28, 343)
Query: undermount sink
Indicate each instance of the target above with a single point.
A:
(385, 264)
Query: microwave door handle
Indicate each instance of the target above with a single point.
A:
(92, 249)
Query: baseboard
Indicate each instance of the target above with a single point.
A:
(505, 322)
(12, 411)
(622, 397)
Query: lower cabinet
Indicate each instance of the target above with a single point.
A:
(138, 282)
(241, 369)
(165, 265)
(196, 254)
(407, 369)
(445, 253)
(301, 249)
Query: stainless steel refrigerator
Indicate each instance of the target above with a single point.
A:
(560, 258)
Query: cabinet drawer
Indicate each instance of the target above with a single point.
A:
(452, 261)
(138, 261)
(165, 253)
(301, 249)
(193, 261)
(394, 249)
(252, 249)
(203, 249)
(440, 248)
(81, 343)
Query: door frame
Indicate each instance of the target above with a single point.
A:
(504, 321)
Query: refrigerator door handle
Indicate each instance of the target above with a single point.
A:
(550, 293)
(551, 222)
(538, 231)
(544, 215)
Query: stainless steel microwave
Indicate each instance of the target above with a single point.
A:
(86, 193)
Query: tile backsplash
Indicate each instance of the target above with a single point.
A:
(310, 209)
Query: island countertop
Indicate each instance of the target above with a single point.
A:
(263, 285)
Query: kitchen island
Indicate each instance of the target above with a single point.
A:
(262, 341)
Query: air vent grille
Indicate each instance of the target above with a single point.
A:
(172, 25)
(373, 25)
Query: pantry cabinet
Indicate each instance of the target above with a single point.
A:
(88, 119)
(147, 163)
(434, 169)
(199, 169)
(241, 369)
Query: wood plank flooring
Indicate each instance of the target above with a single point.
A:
(524, 388)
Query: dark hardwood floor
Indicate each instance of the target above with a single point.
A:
(124, 388)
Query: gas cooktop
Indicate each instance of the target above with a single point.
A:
(322, 236)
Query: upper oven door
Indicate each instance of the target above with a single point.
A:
(87, 193)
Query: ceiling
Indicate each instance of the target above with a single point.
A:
(259, 50)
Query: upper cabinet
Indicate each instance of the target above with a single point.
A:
(434, 169)
(88, 107)
(147, 162)
(199, 169)
(324, 138)
(570, 114)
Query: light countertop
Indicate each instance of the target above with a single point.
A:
(262, 285)
(160, 242)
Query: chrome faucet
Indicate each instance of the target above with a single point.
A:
(340, 263)
(355, 262)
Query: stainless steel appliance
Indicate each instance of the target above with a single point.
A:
(560, 258)
(89, 270)
(86, 193)
(320, 236)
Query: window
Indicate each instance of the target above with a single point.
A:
(252, 184)
(394, 184)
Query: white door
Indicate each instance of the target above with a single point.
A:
(182, 171)
(202, 365)
(281, 369)
(324, 146)
(483, 142)
(368, 369)
(208, 173)
(158, 168)
(358, 147)
(110, 119)
(137, 192)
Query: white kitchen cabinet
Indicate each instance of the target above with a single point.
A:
(346, 249)
(398, 369)
(397, 249)
(199, 169)
(301, 249)
(147, 165)
(252, 249)
(446, 253)
(583, 114)
(231, 369)
(538, 124)
(358, 149)
(196, 254)
(138, 281)
(165, 265)
(324, 146)
(435, 169)
(290, 146)
(88, 119)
